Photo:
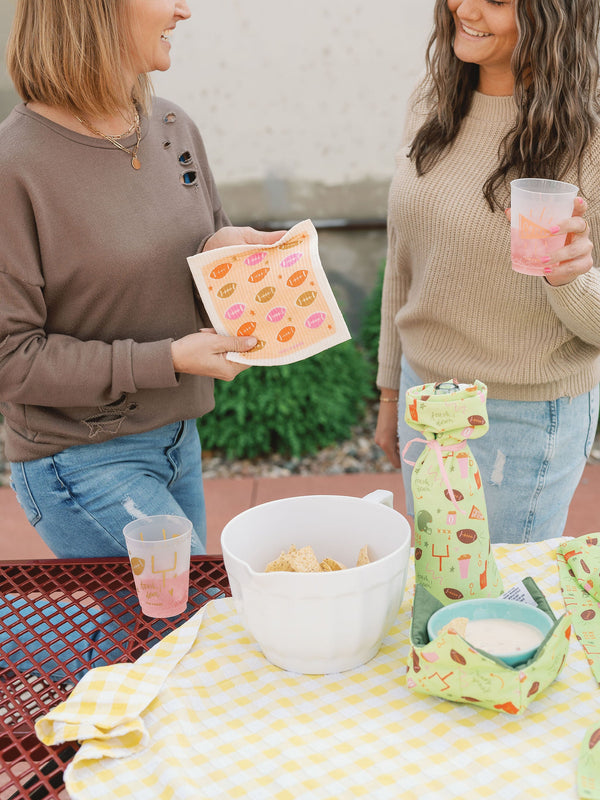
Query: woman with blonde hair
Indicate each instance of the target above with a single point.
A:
(106, 359)
(511, 90)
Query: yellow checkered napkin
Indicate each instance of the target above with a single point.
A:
(204, 715)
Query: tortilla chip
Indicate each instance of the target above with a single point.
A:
(331, 565)
(304, 560)
(456, 625)
(279, 564)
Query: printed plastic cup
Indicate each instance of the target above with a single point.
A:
(536, 205)
(159, 553)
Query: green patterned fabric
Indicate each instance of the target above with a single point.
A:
(588, 764)
(579, 573)
(453, 558)
(450, 668)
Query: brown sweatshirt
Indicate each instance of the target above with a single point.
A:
(451, 302)
(94, 282)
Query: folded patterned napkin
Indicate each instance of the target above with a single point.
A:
(579, 572)
(588, 766)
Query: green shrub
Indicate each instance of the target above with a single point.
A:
(294, 409)
(369, 332)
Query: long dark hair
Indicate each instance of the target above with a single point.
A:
(555, 66)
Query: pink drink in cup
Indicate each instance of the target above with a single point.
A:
(537, 205)
(159, 553)
(463, 564)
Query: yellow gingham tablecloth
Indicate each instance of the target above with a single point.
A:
(204, 715)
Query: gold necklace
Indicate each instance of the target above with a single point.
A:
(133, 151)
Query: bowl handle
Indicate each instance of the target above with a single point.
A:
(380, 496)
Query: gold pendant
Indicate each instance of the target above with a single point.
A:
(135, 162)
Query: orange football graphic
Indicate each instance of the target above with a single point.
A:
(258, 275)
(297, 278)
(227, 290)
(306, 299)
(220, 271)
(265, 294)
(285, 334)
(247, 329)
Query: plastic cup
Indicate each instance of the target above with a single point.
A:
(159, 554)
(536, 205)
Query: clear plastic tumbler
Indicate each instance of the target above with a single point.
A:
(159, 553)
(537, 205)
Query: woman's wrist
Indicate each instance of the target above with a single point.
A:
(389, 396)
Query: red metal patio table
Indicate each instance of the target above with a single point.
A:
(58, 619)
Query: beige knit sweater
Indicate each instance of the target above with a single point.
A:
(451, 301)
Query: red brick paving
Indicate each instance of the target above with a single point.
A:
(227, 497)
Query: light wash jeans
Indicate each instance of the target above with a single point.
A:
(530, 460)
(80, 499)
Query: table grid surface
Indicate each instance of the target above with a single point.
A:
(46, 599)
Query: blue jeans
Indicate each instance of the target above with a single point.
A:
(80, 499)
(530, 460)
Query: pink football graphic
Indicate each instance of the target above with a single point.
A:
(235, 311)
(276, 314)
(297, 278)
(227, 290)
(289, 261)
(258, 275)
(220, 271)
(316, 319)
(255, 259)
(306, 299)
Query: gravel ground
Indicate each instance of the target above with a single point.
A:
(357, 454)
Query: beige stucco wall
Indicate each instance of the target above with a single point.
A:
(301, 106)
(301, 100)
(8, 96)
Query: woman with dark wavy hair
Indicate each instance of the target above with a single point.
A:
(510, 91)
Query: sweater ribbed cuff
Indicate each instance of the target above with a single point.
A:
(152, 365)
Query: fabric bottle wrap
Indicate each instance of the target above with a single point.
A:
(453, 557)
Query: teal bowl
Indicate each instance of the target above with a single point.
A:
(494, 608)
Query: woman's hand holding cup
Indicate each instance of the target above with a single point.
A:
(575, 258)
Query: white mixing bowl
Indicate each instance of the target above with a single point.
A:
(319, 622)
